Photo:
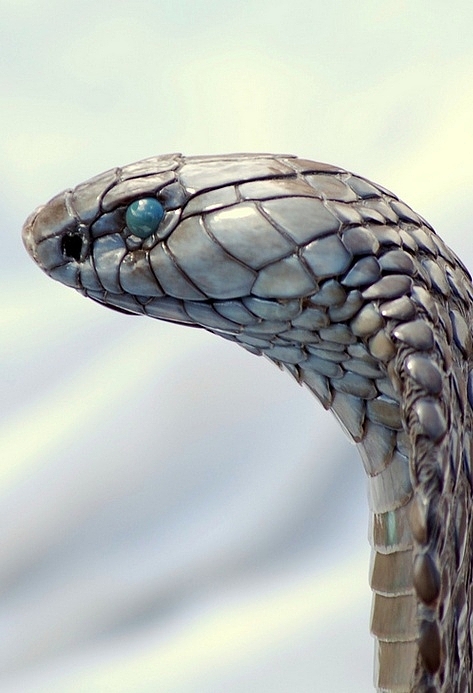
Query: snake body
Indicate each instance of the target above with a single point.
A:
(336, 280)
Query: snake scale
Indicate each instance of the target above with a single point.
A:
(340, 283)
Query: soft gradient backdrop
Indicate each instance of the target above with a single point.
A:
(178, 516)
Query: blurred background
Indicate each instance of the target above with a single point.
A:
(177, 515)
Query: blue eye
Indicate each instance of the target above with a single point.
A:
(144, 216)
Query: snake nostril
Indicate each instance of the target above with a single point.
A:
(71, 246)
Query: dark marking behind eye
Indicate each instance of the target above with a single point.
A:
(71, 246)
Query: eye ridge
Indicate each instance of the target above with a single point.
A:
(71, 246)
(143, 216)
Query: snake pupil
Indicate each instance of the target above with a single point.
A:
(71, 246)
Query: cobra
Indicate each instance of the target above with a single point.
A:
(336, 280)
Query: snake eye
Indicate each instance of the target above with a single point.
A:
(71, 246)
(144, 216)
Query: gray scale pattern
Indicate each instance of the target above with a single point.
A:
(353, 293)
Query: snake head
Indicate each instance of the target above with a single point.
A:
(274, 252)
(207, 241)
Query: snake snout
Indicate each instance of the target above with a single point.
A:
(56, 241)
(27, 233)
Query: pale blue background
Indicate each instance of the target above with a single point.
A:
(177, 516)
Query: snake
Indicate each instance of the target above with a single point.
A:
(341, 284)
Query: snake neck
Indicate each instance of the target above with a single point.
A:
(399, 384)
(392, 362)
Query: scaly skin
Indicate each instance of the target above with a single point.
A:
(336, 280)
